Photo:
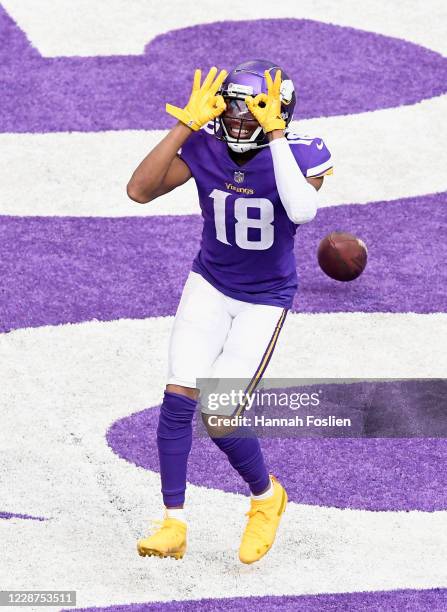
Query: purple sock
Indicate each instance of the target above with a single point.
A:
(174, 438)
(245, 455)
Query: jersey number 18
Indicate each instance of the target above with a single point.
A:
(243, 221)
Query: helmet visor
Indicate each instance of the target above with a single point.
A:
(238, 120)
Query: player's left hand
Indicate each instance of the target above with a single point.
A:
(266, 108)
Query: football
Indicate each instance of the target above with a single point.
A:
(342, 256)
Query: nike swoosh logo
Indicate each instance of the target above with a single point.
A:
(320, 146)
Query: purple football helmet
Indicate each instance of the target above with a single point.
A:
(236, 125)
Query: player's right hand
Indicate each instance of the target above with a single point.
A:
(204, 105)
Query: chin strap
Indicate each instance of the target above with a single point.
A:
(241, 145)
(243, 148)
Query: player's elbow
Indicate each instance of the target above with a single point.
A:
(136, 194)
(302, 212)
(306, 217)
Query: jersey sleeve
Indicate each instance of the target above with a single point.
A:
(320, 160)
(312, 155)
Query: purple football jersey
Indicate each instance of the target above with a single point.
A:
(247, 241)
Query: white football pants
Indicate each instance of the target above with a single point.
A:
(216, 336)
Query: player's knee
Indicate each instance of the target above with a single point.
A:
(186, 391)
(176, 413)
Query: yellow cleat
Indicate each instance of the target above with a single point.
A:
(263, 520)
(169, 540)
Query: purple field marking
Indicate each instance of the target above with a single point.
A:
(11, 515)
(58, 270)
(434, 600)
(369, 474)
(344, 473)
(357, 71)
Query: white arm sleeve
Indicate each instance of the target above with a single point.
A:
(298, 197)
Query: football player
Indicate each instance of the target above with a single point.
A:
(257, 182)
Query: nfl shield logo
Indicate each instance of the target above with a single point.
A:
(238, 177)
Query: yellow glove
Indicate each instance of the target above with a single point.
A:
(268, 114)
(203, 105)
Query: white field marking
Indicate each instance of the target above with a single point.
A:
(103, 505)
(113, 368)
(382, 345)
(380, 155)
(67, 384)
(109, 27)
(93, 373)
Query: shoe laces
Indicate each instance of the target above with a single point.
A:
(155, 525)
(167, 523)
(257, 521)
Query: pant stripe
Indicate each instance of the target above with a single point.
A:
(263, 364)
